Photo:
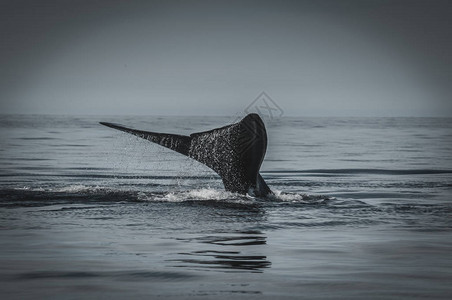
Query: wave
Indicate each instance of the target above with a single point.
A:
(364, 171)
(37, 196)
(285, 210)
(120, 275)
(40, 196)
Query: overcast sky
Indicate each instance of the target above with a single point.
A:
(313, 58)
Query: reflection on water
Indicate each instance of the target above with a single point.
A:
(227, 252)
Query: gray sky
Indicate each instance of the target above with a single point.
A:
(314, 58)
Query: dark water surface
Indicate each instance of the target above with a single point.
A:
(363, 209)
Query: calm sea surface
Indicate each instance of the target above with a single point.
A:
(363, 210)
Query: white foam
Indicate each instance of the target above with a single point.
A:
(76, 188)
(295, 197)
(204, 194)
(28, 188)
(210, 194)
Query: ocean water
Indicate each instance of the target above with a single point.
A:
(362, 210)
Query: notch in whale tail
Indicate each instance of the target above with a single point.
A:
(235, 152)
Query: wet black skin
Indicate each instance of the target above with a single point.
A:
(235, 152)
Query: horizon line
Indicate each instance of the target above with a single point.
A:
(221, 115)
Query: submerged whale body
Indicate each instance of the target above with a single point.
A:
(235, 152)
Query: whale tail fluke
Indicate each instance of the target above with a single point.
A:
(235, 152)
